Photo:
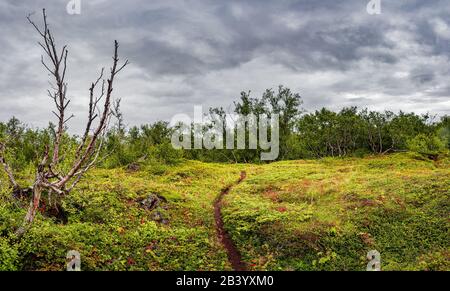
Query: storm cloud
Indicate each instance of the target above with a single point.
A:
(205, 52)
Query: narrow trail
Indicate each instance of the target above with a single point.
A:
(234, 257)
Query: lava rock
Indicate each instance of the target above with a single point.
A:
(157, 216)
(152, 201)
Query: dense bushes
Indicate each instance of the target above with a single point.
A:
(8, 255)
(327, 133)
(430, 145)
(322, 133)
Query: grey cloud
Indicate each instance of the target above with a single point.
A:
(205, 52)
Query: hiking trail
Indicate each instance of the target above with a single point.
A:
(234, 257)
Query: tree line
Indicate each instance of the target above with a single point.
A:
(317, 134)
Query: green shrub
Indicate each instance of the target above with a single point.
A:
(424, 144)
(8, 255)
(444, 135)
(167, 154)
(361, 153)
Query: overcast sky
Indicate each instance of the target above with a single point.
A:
(205, 52)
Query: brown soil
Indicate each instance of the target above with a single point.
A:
(234, 257)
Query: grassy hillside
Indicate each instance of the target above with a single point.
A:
(327, 214)
(112, 229)
(298, 215)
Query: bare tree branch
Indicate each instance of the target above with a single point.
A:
(59, 62)
(88, 151)
(48, 176)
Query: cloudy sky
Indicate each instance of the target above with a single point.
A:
(205, 52)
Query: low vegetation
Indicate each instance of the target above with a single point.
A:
(293, 215)
(125, 199)
(327, 214)
(155, 218)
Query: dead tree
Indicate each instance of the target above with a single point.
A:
(50, 178)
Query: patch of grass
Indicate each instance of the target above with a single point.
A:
(293, 215)
(112, 231)
(327, 214)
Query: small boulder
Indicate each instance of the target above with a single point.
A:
(157, 216)
(133, 167)
(152, 201)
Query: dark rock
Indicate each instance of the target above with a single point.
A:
(157, 216)
(133, 167)
(152, 201)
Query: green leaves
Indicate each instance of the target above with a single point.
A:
(8, 255)
(426, 144)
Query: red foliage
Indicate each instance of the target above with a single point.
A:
(282, 209)
(131, 261)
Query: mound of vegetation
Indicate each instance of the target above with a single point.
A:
(328, 214)
(294, 215)
(157, 218)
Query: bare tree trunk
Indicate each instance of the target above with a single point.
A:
(34, 205)
(32, 210)
(48, 177)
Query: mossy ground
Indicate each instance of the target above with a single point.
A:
(327, 214)
(111, 230)
(297, 215)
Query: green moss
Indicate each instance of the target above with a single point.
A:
(293, 215)
(8, 255)
(396, 204)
